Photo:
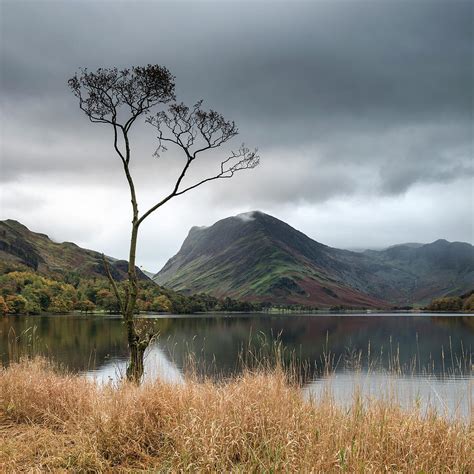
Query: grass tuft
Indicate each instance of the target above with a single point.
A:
(50, 420)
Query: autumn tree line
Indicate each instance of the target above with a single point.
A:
(25, 292)
(463, 303)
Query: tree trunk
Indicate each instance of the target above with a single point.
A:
(135, 366)
(137, 343)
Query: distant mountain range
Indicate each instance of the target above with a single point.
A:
(20, 246)
(257, 257)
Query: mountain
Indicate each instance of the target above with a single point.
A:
(257, 257)
(437, 269)
(19, 246)
(414, 245)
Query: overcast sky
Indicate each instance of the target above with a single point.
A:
(362, 112)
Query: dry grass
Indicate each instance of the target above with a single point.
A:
(254, 423)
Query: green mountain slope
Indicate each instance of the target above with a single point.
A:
(37, 275)
(21, 247)
(258, 257)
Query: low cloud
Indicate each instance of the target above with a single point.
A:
(246, 216)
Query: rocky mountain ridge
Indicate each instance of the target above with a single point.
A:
(257, 257)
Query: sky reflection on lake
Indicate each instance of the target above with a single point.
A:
(421, 358)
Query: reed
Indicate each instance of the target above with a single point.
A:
(257, 421)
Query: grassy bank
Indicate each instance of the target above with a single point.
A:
(255, 422)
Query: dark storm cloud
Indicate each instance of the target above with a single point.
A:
(349, 93)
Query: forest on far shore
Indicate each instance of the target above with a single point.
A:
(23, 292)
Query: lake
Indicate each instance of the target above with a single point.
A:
(421, 359)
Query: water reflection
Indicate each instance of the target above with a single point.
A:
(78, 342)
(158, 366)
(421, 344)
(416, 344)
(450, 396)
(412, 353)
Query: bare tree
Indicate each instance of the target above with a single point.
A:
(117, 98)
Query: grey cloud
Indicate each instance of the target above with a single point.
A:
(438, 161)
(343, 99)
(258, 58)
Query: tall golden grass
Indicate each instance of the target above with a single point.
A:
(255, 422)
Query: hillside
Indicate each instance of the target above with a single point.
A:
(440, 268)
(255, 256)
(37, 275)
(20, 247)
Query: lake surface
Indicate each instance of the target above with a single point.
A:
(421, 359)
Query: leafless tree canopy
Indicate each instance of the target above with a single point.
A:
(196, 130)
(187, 127)
(102, 93)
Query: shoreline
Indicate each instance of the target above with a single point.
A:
(325, 313)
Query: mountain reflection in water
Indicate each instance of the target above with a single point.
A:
(410, 353)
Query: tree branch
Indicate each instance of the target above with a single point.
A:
(112, 282)
(247, 160)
